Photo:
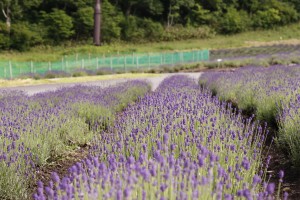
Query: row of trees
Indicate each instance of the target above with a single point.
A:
(25, 23)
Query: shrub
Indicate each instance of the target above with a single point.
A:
(4, 36)
(287, 12)
(234, 21)
(138, 30)
(111, 20)
(23, 37)
(131, 30)
(85, 22)
(56, 74)
(59, 25)
(267, 18)
(153, 31)
(79, 74)
(289, 130)
(180, 32)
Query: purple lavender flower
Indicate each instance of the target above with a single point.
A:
(270, 188)
(281, 174)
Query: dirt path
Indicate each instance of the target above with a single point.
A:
(154, 82)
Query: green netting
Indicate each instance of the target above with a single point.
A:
(93, 63)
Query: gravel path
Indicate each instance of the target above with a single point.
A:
(154, 81)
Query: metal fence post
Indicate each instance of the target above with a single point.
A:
(193, 53)
(82, 63)
(62, 63)
(133, 59)
(103, 60)
(10, 70)
(97, 64)
(208, 54)
(148, 61)
(201, 55)
(125, 61)
(111, 63)
(181, 57)
(67, 65)
(31, 66)
(172, 62)
(49, 66)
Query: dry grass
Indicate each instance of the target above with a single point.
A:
(270, 43)
(27, 82)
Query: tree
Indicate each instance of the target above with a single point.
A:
(9, 9)
(59, 25)
(199, 16)
(84, 22)
(213, 5)
(111, 19)
(23, 36)
(142, 8)
(173, 9)
(234, 21)
(19, 10)
(4, 36)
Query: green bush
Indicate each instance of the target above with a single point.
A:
(23, 37)
(234, 21)
(287, 13)
(111, 22)
(153, 31)
(79, 74)
(180, 32)
(84, 24)
(4, 36)
(59, 25)
(139, 30)
(267, 19)
(131, 30)
(95, 116)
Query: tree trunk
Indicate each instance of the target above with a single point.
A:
(97, 23)
(170, 18)
(128, 10)
(7, 17)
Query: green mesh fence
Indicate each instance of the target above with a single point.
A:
(118, 63)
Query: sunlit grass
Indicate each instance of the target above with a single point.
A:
(282, 35)
(28, 82)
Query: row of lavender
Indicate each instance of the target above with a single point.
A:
(273, 93)
(35, 130)
(175, 143)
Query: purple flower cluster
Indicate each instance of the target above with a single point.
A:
(175, 143)
(289, 129)
(273, 93)
(34, 129)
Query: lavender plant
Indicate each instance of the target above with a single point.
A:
(175, 143)
(289, 129)
(34, 130)
(272, 93)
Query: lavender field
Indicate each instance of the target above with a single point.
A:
(273, 95)
(178, 142)
(37, 130)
